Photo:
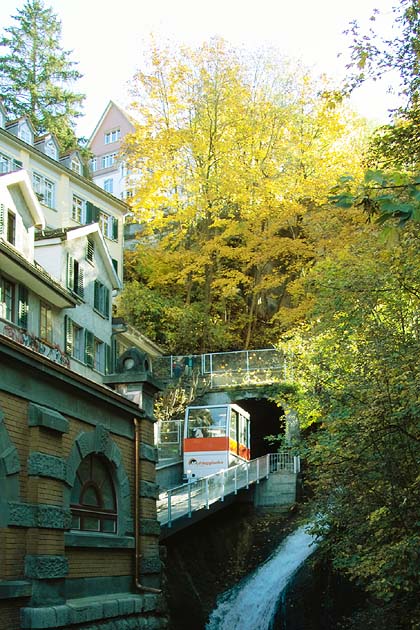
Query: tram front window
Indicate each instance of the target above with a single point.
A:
(207, 422)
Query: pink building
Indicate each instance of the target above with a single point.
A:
(107, 168)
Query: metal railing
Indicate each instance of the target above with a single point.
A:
(226, 369)
(201, 494)
(284, 461)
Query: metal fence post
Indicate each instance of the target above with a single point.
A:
(189, 500)
(222, 498)
(207, 493)
(169, 509)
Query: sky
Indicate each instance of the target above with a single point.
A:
(107, 39)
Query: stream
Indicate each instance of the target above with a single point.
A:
(252, 603)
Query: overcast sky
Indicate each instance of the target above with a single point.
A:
(107, 38)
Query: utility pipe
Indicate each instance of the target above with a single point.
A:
(139, 586)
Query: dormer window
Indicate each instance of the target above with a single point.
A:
(75, 165)
(51, 149)
(25, 133)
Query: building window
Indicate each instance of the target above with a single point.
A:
(45, 189)
(78, 339)
(78, 210)
(109, 185)
(74, 339)
(75, 165)
(101, 298)
(112, 136)
(51, 149)
(11, 227)
(24, 133)
(93, 165)
(108, 160)
(7, 300)
(99, 355)
(8, 164)
(75, 276)
(93, 500)
(45, 322)
(108, 225)
(14, 302)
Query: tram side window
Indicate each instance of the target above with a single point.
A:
(234, 425)
(243, 431)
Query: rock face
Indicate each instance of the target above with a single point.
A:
(208, 558)
(317, 598)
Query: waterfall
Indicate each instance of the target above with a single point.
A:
(252, 603)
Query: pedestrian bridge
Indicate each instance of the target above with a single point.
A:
(178, 507)
(220, 370)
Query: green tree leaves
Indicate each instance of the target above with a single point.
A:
(358, 365)
(36, 74)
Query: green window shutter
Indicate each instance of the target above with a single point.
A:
(108, 359)
(114, 228)
(89, 348)
(81, 283)
(68, 335)
(115, 265)
(70, 272)
(90, 250)
(96, 295)
(23, 307)
(89, 212)
(106, 302)
(2, 215)
(92, 212)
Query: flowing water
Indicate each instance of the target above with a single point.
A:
(252, 603)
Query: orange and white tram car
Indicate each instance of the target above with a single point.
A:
(215, 437)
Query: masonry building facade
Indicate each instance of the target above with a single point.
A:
(79, 536)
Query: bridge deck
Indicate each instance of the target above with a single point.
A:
(187, 498)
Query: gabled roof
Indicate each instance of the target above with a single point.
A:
(21, 178)
(13, 123)
(105, 113)
(93, 231)
(45, 138)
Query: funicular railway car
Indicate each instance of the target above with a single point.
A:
(215, 437)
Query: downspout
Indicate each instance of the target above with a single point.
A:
(141, 587)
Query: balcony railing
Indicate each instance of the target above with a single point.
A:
(21, 336)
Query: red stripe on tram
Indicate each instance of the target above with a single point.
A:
(194, 445)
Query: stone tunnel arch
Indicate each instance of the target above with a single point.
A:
(267, 418)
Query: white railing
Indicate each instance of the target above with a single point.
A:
(284, 461)
(197, 495)
(227, 369)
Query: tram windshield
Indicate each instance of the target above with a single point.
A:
(207, 422)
